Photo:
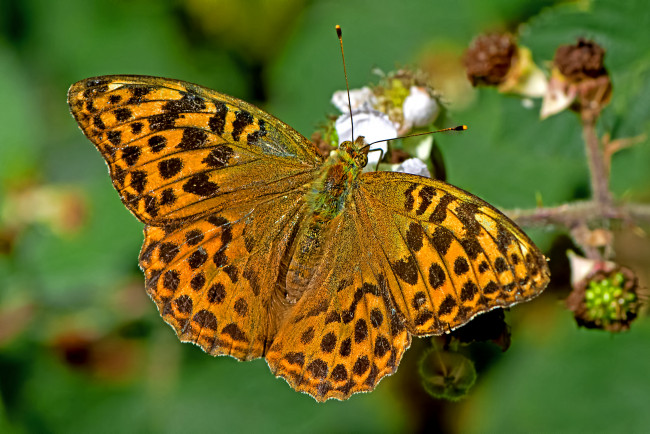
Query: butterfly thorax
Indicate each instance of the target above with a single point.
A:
(326, 200)
(336, 180)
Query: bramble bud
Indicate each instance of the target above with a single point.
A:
(446, 374)
(606, 298)
(489, 58)
(579, 81)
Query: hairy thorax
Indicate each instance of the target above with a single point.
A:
(326, 202)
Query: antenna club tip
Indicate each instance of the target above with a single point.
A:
(461, 128)
(339, 32)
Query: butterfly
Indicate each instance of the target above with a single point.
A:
(257, 246)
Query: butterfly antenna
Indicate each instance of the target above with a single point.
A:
(339, 33)
(456, 128)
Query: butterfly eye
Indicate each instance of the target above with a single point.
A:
(362, 160)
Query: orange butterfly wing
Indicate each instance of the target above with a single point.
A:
(219, 184)
(346, 332)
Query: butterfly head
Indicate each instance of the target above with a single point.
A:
(356, 152)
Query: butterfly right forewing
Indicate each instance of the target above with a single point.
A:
(451, 254)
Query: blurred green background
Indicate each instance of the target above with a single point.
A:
(82, 349)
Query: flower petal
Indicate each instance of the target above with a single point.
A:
(371, 124)
(414, 166)
(420, 108)
(359, 99)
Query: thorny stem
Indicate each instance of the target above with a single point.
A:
(597, 165)
(573, 214)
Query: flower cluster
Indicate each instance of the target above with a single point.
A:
(398, 105)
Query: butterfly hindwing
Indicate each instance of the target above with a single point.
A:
(344, 334)
(213, 278)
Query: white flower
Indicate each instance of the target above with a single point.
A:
(559, 95)
(420, 108)
(414, 166)
(371, 124)
(359, 99)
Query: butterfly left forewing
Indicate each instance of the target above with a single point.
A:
(177, 150)
(452, 255)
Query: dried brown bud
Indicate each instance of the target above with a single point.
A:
(398, 156)
(580, 74)
(489, 58)
(581, 61)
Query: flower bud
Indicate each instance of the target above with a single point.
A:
(605, 297)
(420, 108)
(489, 58)
(446, 374)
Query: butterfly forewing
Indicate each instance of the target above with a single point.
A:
(176, 150)
(451, 255)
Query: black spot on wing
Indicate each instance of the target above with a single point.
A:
(426, 194)
(131, 155)
(218, 157)
(253, 138)
(406, 270)
(137, 94)
(122, 114)
(193, 138)
(162, 121)
(441, 239)
(188, 103)
(440, 211)
(201, 185)
(437, 276)
(157, 143)
(242, 120)
(414, 236)
(170, 167)
(466, 213)
(206, 319)
(409, 201)
(447, 306)
(217, 123)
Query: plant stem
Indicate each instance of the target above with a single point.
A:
(570, 215)
(597, 167)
